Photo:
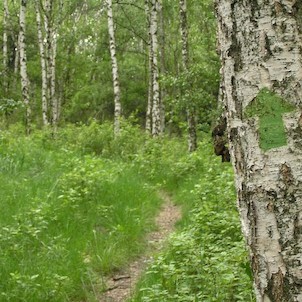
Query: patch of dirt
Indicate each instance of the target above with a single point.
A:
(121, 285)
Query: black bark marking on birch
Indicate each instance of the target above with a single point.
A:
(275, 287)
(239, 160)
(253, 217)
(268, 51)
(297, 228)
(300, 122)
(297, 12)
(238, 105)
(278, 8)
(286, 175)
(296, 134)
(272, 197)
(254, 10)
(235, 47)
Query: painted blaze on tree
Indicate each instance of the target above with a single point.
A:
(260, 46)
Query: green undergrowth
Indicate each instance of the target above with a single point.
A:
(77, 207)
(205, 260)
(68, 217)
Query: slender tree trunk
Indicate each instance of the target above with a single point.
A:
(150, 69)
(51, 53)
(260, 45)
(163, 69)
(115, 74)
(23, 66)
(48, 49)
(17, 57)
(150, 97)
(43, 65)
(5, 52)
(155, 72)
(53, 96)
(191, 115)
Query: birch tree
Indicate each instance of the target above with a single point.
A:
(156, 120)
(23, 65)
(53, 97)
(260, 44)
(44, 89)
(5, 47)
(115, 73)
(191, 116)
(50, 54)
(150, 60)
(163, 67)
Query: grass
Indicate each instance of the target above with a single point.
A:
(78, 207)
(206, 259)
(69, 219)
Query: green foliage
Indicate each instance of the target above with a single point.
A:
(269, 107)
(7, 106)
(99, 139)
(67, 219)
(77, 208)
(206, 261)
(83, 65)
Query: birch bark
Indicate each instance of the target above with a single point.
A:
(43, 65)
(163, 68)
(156, 120)
(53, 96)
(260, 45)
(50, 54)
(5, 52)
(150, 69)
(191, 115)
(115, 73)
(17, 58)
(23, 66)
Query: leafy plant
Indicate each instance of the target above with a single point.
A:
(205, 261)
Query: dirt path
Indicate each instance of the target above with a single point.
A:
(121, 285)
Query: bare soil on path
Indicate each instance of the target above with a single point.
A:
(121, 285)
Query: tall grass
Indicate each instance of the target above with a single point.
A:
(69, 218)
(76, 208)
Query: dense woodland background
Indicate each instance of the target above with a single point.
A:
(78, 199)
(77, 42)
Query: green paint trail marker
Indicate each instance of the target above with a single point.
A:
(270, 108)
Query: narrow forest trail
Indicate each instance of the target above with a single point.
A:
(121, 285)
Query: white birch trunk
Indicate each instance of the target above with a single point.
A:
(50, 53)
(191, 116)
(150, 96)
(48, 46)
(23, 65)
(5, 52)
(115, 74)
(17, 57)
(163, 68)
(260, 44)
(156, 120)
(53, 96)
(43, 65)
(150, 69)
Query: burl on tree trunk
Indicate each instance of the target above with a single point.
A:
(220, 140)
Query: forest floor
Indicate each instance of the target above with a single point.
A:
(121, 285)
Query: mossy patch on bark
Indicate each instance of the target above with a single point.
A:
(269, 107)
